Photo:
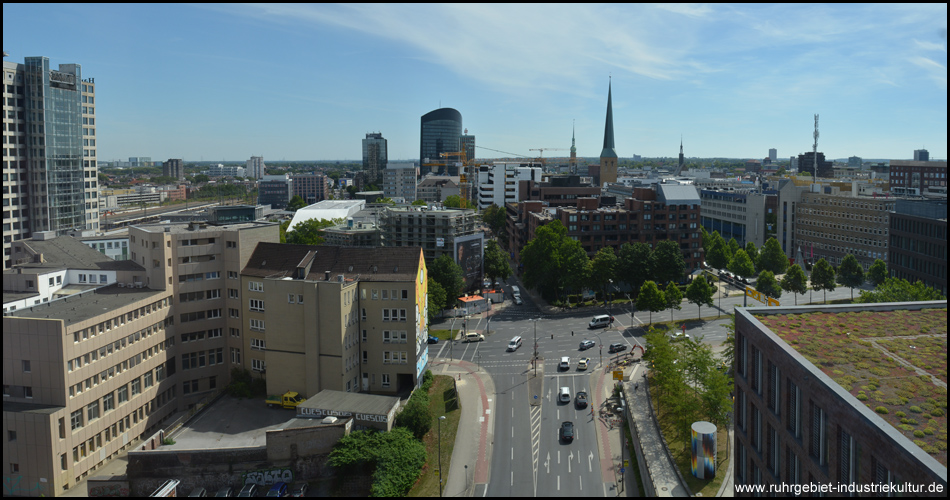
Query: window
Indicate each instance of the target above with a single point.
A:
(233, 294)
(255, 286)
(235, 355)
(11, 436)
(147, 378)
(108, 402)
(232, 275)
(136, 386)
(257, 305)
(26, 366)
(28, 391)
(123, 393)
(385, 378)
(291, 298)
(235, 332)
(92, 411)
(258, 344)
(385, 294)
(234, 313)
(256, 325)
(75, 419)
(213, 275)
(257, 365)
(819, 441)
(375, 294)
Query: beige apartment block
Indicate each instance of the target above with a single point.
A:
(345, 319)
(201, 264)
(83, 377)
(834, 224)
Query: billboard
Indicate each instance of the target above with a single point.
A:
(469, 256)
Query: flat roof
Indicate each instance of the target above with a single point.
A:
(895, 359)
(82, 306)
(66, 252)
(354, 402)
(232, 423)
(30, 408)
(183, 227)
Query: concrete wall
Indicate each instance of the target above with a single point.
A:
(290, 444)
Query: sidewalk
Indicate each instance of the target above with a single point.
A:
(472, 452)
(613, 451)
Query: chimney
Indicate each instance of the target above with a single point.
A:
(327, 275)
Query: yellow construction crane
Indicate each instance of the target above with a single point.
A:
(464, 184)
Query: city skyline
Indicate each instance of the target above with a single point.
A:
(231, 82)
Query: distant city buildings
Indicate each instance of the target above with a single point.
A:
(275, 190)
(399, 181)
(312, 188)
(435, 230)
(435, 189)
(375, 157)
(738, 213)
(220, 170)
(498, 184)
(918, 242)
(773, 155)
(440, 132)
(833, 223)
(467, 144)
(255, 168)
(921, 155)
(806, 163)
(918, 177)
(174, 168)
(855, 162)
(608, 155)
(53, 187)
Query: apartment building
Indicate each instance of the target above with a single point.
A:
(345, 319)
(437, 188)
(201, 264)
(312, 188)
(498, 184)
(86, 363)
(918, 177)
(275, 190)
(399, 181)
(435, 230)
(805, 413)
(558, 191)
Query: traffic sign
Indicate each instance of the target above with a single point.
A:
(535, 396)
(623, 469)
(618, 374)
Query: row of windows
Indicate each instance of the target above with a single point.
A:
(213, 275)
(108, 349)
(196, 336)
(117, 369)
(193, 360)
(110, 401)
(200, 295)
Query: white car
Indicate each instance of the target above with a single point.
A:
(565, 363)
(680, 336)
(564, 395)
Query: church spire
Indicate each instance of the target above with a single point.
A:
(609, 150)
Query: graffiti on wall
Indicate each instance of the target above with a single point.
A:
(270, 476)
(120, 489)
(13, 486)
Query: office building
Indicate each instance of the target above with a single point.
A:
(840, 396)
(921, 155)
(608, 155)
(399, 181)
(498, 184)
(918, 178)
(115, 246)
(275, 190)
(467, 144)
(375, 157)
(833, 223)
(918, 242)
(773, 155)
(220, 170)
(345, 319)
(855, 162)
(557, 190)
(440, 132)
(435, 230)
(255, 168)
(436, 189)
(738, 213)
(52, 187)
(311, 187)
(806, 163)
(173, 168)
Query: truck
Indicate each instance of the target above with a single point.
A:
(289, 399)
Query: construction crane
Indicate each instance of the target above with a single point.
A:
(541, 153)
(464, 184)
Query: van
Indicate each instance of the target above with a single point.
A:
(602, 321)
(514, 343)
(473, 337)
(515, 291)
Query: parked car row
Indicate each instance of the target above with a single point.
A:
(278, 490)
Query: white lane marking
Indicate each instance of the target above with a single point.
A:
(589, 458)
(559, 483)
(558, 456)
(581, 481)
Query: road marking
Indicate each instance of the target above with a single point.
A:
(559, 483)
(512, 478)
(547, 463)
(589, 467)
(558, 456)
(581, 481)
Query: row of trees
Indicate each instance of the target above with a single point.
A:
(651, 298)
(745, 262)
(555, 263)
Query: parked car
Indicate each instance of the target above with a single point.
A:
(249, 490)
(227, 491)
(433, 340)
(565, 363)
(198, 492)
(582, 363)
(299, 490)
(580, 400)
(586, 344)
(278, 490)
(680, 336)
(617, 347)
(567, 431)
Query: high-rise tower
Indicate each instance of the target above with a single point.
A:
(49, 162)
(374, 158)
(608, 156)
(440, 132)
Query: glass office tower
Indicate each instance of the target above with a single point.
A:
(440, 133)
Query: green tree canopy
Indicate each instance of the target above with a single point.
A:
(850, 273)
(823, 278)
(753, 254)
(877, 273)
(767, 285)
(495, 218)
(772, 258)
(718, 255)
(450, 276)
(553, 262)
(733, 247)
(741, 264)
(455, 201)
(651, 299)
(899, 290)
(416, 416)
(674, 297)
(603, 268)
(310, 232)
(396, 456)
(795, 281)
(418, 203)
(496, 262)
(668, 262)
(635, 264)
(700, 292)
(436, 298)
(296, 203)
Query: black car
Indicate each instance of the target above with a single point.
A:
(567, 431)
(617, 347)
(580, 399)
(586, 344)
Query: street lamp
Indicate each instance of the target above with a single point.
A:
(440, 454)
(535, 360)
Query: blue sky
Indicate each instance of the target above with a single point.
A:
(307, 82)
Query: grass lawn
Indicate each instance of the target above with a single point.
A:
(682, 456)
(443, 400)
(444, 334)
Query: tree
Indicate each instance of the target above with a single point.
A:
(416, 415)
(495, 218)
(455, 201)
(496, 262)
(200, 178)
(553, 262)
(772, 258)
(296, 203)
(450, 276)
(753, 254)
(718, 255)
(700, 292)
(823, 278)
(850, 273)
(767, 285)
(635, 264)
(795, 281)
(899, 290)
(436, 298)
(651, 299)
(741, 264)
(418, 203)
(602, 269)
(674, 297)
(733, 247)
(668, 262)
(310, 231)
(877, 273)
(396, 456)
